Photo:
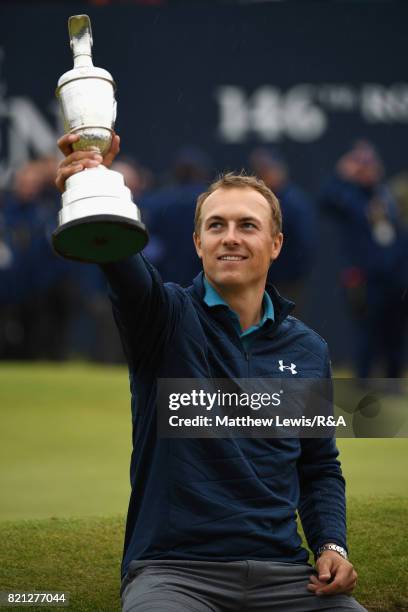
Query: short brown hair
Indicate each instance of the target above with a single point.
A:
(231, 180)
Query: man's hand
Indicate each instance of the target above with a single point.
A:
(75, 161)
(335, 575)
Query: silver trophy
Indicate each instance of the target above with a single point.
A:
(98, 221)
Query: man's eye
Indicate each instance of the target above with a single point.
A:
(214, 224)
(248, 224)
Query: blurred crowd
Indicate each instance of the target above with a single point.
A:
(54, 309)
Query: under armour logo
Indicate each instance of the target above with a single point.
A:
(292, 367)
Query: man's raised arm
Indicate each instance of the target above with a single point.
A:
(143, 310)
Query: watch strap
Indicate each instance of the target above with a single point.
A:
(338, 549)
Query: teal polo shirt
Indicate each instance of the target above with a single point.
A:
(213, 298)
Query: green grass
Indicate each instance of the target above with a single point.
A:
(65, 436)
(81, 556)
(65, 440)
(77, 556)
(375, 466)
(378, 533)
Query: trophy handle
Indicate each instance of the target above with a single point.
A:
(80, 34)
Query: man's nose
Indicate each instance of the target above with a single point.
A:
(231, 235)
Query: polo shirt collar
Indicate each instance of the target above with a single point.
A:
(282, 307)
(212, 298)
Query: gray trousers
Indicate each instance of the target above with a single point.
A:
(207, 586)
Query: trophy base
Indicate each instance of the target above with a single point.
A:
(98, 222)
(99, 239)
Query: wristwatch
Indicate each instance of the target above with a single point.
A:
(335, 547)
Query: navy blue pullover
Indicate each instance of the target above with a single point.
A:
(218, 499)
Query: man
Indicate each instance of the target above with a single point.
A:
(212, 522)
(291, 271)
(373, 259)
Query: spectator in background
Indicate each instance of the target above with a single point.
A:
(169, 215)
(36, 294)
(374, 258)
(138, 178)
(290, 271)
(399, 189)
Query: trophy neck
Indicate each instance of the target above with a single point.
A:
(82, 61)
(80, 34)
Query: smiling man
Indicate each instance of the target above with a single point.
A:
(237, 235)
(212, 522)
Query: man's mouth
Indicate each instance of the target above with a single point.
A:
(232, 257)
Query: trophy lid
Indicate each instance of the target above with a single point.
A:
(84, 73)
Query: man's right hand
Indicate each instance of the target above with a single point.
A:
(75, 161)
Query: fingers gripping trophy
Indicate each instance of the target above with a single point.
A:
(98, 222)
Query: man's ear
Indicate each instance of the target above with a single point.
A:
(197, 244)
(277, 242)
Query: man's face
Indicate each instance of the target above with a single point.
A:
(237, 240)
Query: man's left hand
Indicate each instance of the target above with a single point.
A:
(335, 575)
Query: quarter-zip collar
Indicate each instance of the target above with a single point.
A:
(281, 306)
